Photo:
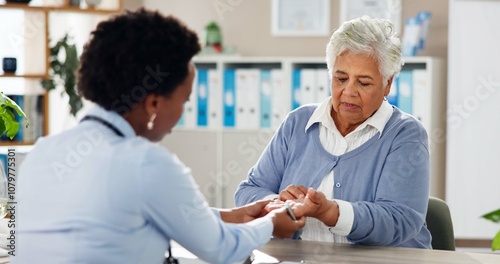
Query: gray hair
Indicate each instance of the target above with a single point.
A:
(370, 36)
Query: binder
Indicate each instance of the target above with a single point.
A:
(296, 100)
(279, 100)
(247, 98)
(253, 99)
(229, 98)
(190, 107)
(308, 86)
(214, 99)
(19, 99)
(202, 112)
(405, 91)
(322, 85)
(265, 99)
(421, 95)
(392, 97)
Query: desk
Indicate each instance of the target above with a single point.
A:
(321, 252)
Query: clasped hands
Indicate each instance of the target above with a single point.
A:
(307, 202)
(304, 203)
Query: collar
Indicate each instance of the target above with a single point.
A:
(113, 118)
(378, 120)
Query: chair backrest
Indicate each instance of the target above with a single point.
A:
(439, 223)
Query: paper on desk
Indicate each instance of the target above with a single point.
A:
(186, 257)
(260, 257)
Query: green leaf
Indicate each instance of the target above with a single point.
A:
(495, 245)
(493, 216)
(10, 103)
(64, 72)
(9, 122)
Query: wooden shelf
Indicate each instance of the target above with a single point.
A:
(71, 9)
(27, 76)
(15, 143)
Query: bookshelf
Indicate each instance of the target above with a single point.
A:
(35, 38)
(220, 156)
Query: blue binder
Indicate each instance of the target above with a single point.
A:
(265, 98)
(392, 97)
(202, 88)
(405, 91)
(295, 88)
(229, 98)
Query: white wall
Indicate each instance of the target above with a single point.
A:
(473, 156)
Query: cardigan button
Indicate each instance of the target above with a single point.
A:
(338, 185)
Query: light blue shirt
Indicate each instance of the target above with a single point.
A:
(386, 179)
(88, 195)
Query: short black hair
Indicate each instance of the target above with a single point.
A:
(134, 54)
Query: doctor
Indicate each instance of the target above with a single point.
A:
(103, 192)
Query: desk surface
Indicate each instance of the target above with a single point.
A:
(320, 252)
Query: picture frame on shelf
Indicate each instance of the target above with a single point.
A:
(304, 18)
(385, 9)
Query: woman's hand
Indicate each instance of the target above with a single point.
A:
(316, 205)
(294, 193)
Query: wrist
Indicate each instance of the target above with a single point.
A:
(229, 215)
(331, 214)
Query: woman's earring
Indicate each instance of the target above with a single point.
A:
(385, 98)
(151, 122)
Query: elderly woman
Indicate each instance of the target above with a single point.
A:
(103, 192)
(365, 162)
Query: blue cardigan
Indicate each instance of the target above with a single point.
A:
(386, 179)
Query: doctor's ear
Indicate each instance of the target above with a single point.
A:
(151, 103)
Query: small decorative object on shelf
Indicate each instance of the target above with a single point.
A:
(92, 3)
(9, 65)
(63, 71)
(213, 37)
(74, 3)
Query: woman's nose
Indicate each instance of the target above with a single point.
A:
(350, 89)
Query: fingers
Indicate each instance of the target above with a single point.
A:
(292, 192)
(314, 196)
(274, 205)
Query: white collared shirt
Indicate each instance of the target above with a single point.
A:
(336, 144)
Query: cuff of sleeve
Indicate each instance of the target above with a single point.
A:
(216, 213)
(346, 219)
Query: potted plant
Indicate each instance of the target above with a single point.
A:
(63, 60)
(8, 122)
(495, 218)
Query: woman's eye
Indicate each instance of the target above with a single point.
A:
(342, 79)
(363, 84)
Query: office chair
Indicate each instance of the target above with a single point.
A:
(439, 223)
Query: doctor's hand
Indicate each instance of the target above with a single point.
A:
(292, 192)
(245, 213)
(316, 205)
(284, 225)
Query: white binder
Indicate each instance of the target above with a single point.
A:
(307, 86)
(322, 85)
(190, 107)
(247, 98)
(215, 104)
(280, 103)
